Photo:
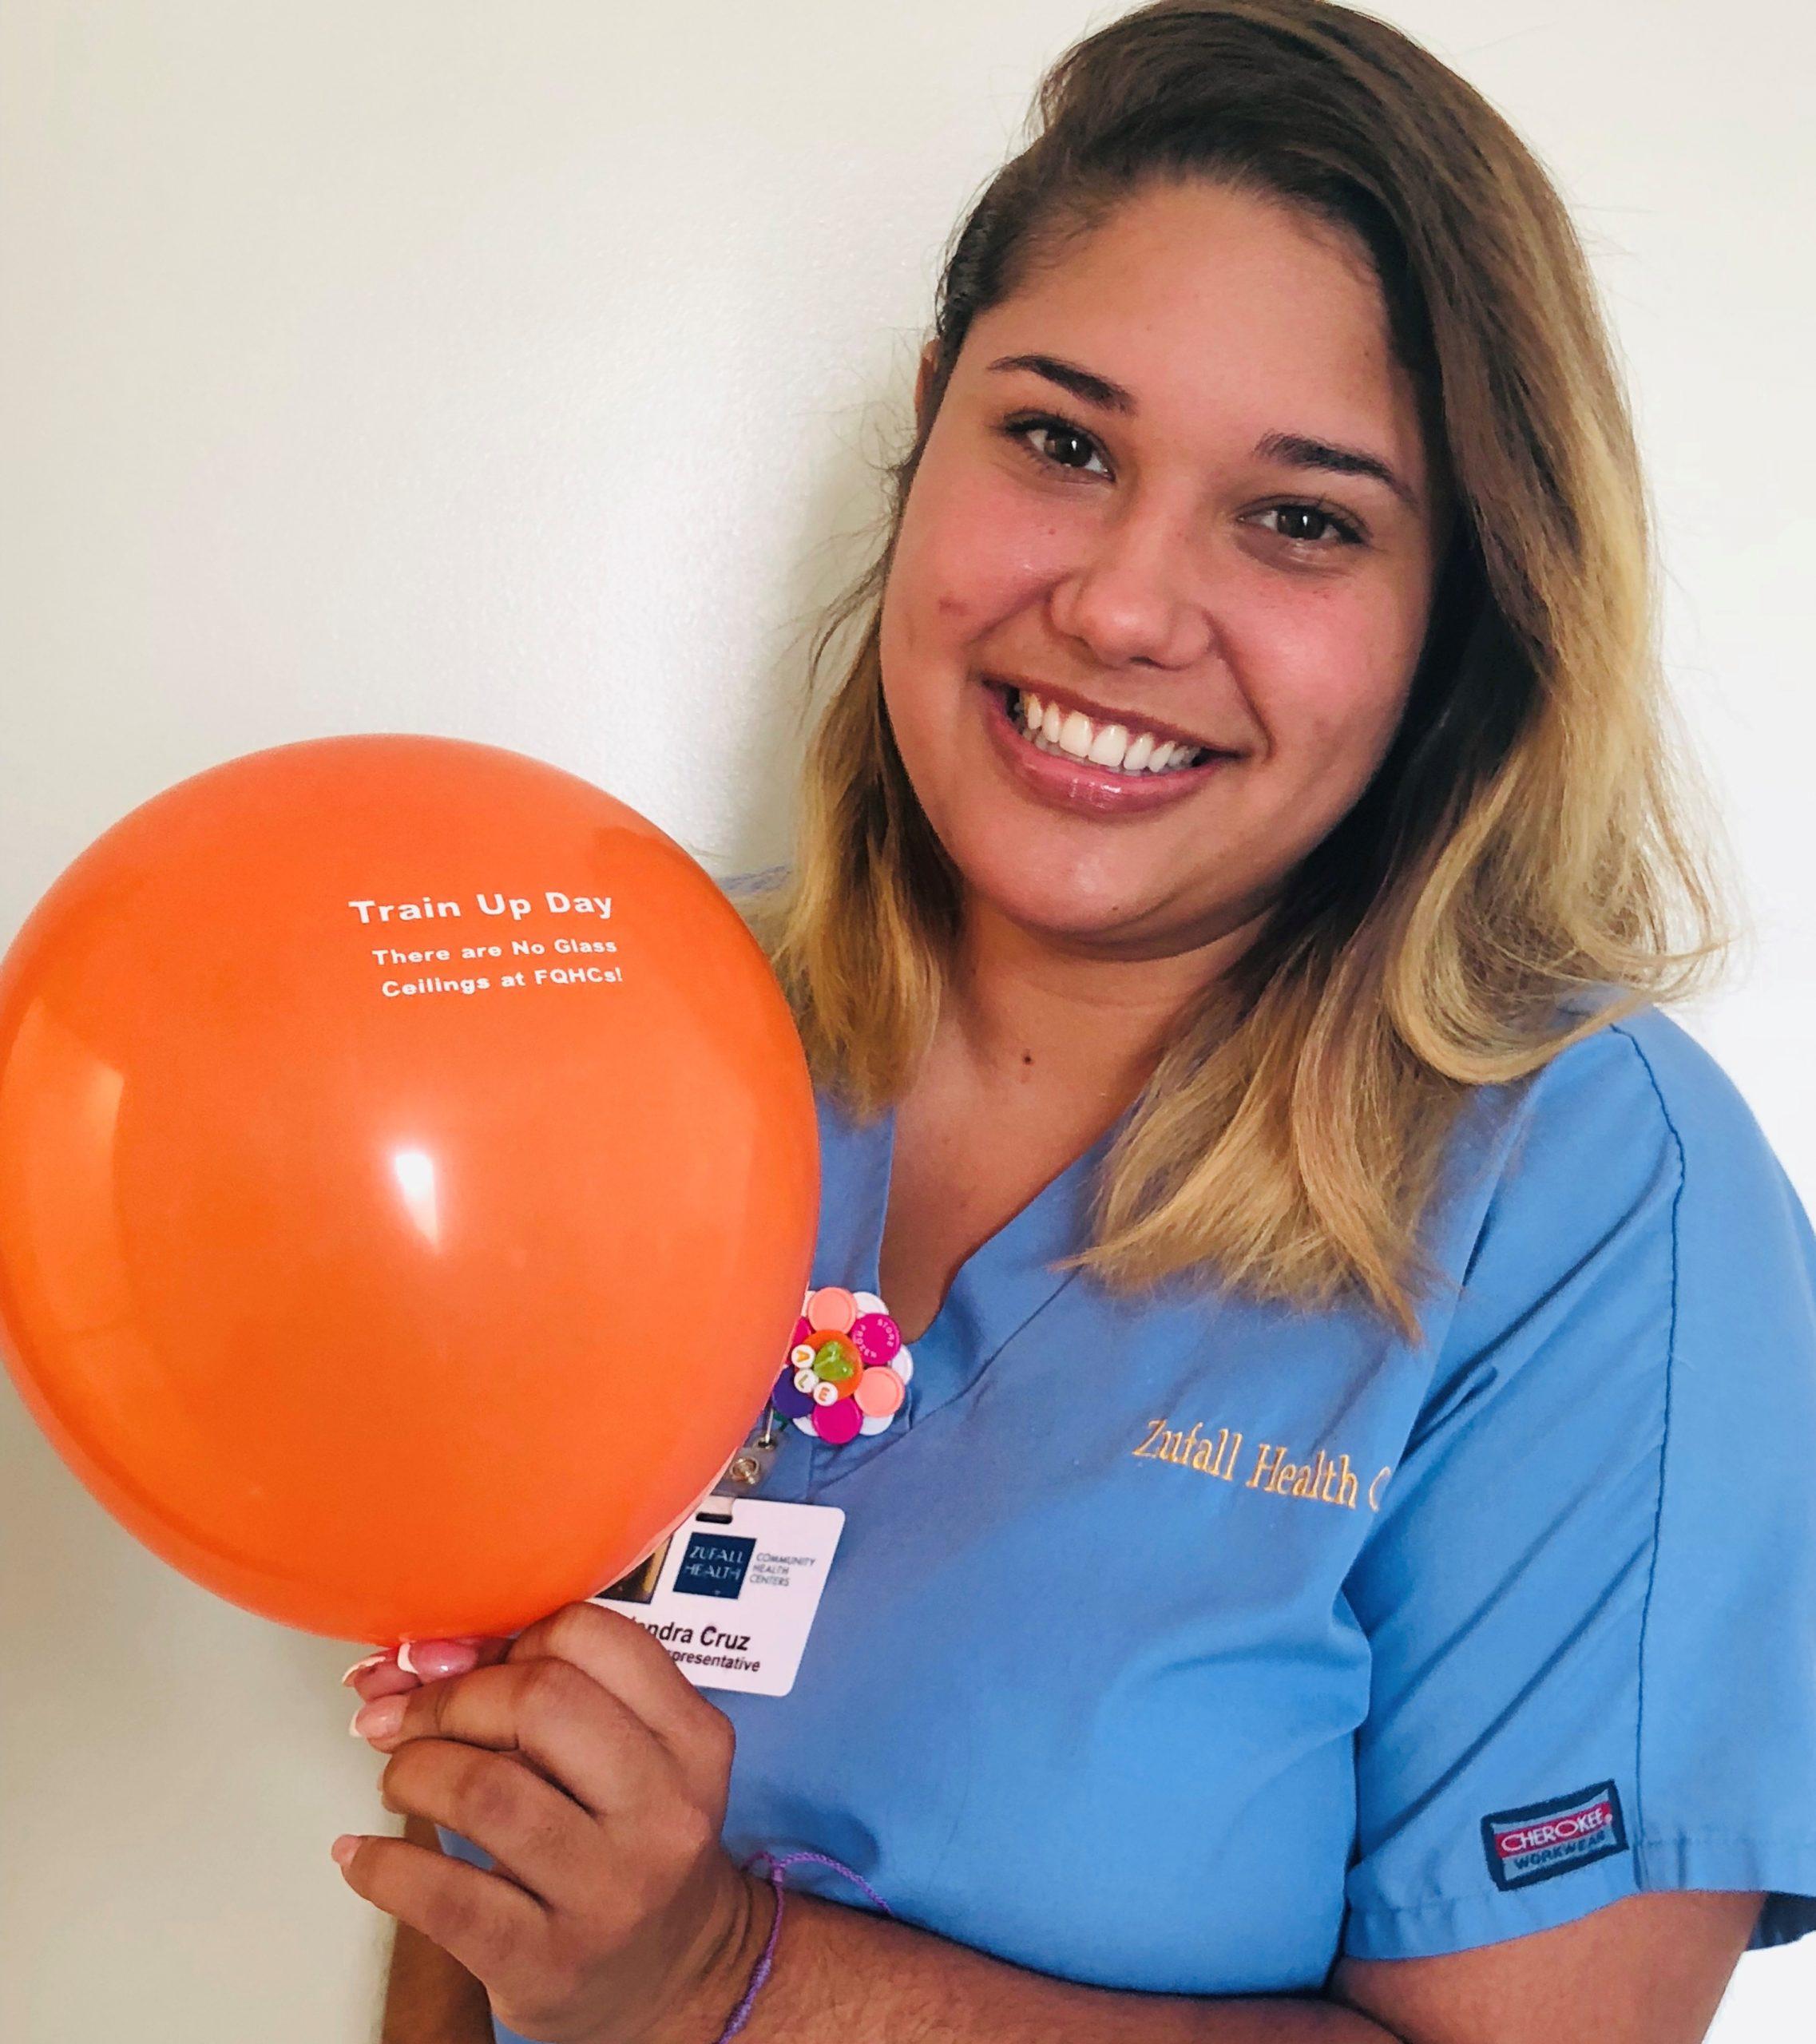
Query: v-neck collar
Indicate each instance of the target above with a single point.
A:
(996, 1291)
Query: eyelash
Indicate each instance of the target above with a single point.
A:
(1017, 429)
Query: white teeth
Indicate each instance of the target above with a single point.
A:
(1072, 733)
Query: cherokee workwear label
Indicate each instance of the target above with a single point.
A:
(1543, 1839)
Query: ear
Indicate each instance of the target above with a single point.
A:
(923, 378)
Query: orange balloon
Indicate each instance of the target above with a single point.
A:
(372, 1111)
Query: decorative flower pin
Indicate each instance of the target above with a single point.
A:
(848, 1373)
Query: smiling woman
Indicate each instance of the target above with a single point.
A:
(1344, 1564)
(1133, 567)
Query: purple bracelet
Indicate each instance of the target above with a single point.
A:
(740, 2014)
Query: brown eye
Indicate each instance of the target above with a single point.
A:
(1299, 518)
(1063, 436)
(1028, 428)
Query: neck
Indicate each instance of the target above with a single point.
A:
(1026, 1006)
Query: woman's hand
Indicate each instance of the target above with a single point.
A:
(580, 1758)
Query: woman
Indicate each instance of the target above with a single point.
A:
(1346, 1539)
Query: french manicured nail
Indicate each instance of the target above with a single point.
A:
(434, 1659)
(378, 1721)
(344, 1847)
(359, 1667)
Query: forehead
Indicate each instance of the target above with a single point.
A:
(1223, 313)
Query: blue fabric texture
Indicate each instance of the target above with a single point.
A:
(1185, 1643)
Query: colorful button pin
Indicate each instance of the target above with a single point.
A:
(848, 1373)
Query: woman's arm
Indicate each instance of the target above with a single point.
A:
(430, 1997)
(844, 1976)
(1648, 1969)
(577, 1940)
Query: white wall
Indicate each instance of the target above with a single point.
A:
(515, 372)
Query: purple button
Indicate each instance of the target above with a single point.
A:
(791, 1404)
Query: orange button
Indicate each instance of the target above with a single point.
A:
(835, 1359)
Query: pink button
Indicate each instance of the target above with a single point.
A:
(837, 1423)
(877, 1336)
(880, 1391)
(832, 1308)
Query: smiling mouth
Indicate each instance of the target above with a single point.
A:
(1060, 780)
(1139, 760)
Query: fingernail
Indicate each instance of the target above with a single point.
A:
(344, 1847)
(434, 1658)
(378, 1721)
(359, 1667)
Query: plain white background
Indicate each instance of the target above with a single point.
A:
(517, 373)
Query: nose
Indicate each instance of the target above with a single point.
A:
(1132, 599)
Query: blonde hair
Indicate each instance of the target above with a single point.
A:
(1527, 836)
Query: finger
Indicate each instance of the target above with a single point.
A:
(430, 1659)
(537, 1836)
(435, 1658)
(484, 1920)
(638, 1670)
(391, 1670)
(385, 1679)
(580, 1737)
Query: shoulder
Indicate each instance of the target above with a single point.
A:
(1633, 1178)
(752, 880)
(1638, 1095)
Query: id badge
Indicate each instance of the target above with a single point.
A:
(732, 1591)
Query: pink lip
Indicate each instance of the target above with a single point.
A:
(1074, 785)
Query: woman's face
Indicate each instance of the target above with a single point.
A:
(1175, 521)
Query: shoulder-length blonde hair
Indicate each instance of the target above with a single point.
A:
(1526, 837)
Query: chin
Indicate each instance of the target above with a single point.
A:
(1082, 899)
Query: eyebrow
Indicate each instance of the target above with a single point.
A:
(1295, 450)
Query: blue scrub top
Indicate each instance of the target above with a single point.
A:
(1183, 1644)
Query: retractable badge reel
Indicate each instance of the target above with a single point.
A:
(734, 1600)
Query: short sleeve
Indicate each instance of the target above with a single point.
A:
(754, 881)
(1590, 1596)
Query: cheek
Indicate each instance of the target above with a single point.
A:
(971, 553)
(1329, 676)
